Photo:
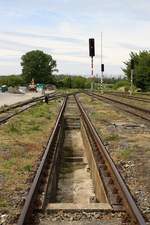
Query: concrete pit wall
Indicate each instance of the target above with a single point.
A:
(97, 182)
(53, 176)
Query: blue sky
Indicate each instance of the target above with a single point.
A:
(62, 28)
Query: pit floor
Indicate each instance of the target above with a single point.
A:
(75, 184)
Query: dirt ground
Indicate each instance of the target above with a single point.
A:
(133, 102)
(75, 184)
(22, 142)
(127, 140)
(7, 98)
(82, 218)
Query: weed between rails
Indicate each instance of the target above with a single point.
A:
(21, 144)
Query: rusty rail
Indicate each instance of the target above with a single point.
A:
(129, 203)
(20, 104)
(28, 104)
(123, 95)
(49, 162)
(145, 111)
(46, 164)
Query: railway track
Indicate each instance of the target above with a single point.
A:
(111, 193)
(15, 109)
(127, 96)
(134, 110)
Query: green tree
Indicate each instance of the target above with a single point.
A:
(12, 80)
(37, 65)
(67, 82)
(79, 82)
(141, 77)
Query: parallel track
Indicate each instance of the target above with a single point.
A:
(134, 110)
(137, 98)
(107, 167)
(113, 182)
(11, 111)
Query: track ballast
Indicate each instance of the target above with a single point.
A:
(108, 184)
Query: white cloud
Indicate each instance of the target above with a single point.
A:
(124, 24)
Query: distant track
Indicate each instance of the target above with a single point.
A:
(20, 107)
(127, 96)
(22, 103)
(134, 110)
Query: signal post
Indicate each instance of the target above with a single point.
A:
(92, 54)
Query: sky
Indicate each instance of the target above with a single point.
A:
(62, 29)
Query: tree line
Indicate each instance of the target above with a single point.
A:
(141, 76)
(41, 67)
(60, 81)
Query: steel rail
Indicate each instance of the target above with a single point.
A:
(20, 104)
(131, 206)
(130, 97)
(123, 103)
(28, 207)
(5, 118)
(135, 94)
(145, 111)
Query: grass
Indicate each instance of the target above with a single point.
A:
(8, 163)
(27, 122)
(21, 145)
(112, 137)
(103, 116)
(13, 127)
(28, 168)
(125, 153)
(3, 202)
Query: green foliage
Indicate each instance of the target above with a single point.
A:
(9, 163)
(12, 80)
(112, 137)
(66, 81)
(121, 83)
(13, 127)
(141, 71)
(28, 168)
(125, 153)
(3, 202)
(37, 65)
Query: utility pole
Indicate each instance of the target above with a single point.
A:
(132, 72)
(102, 65)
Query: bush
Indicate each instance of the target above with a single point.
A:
(12, 80)
(121, 83)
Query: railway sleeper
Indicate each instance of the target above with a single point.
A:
(77, 177)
